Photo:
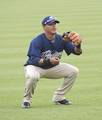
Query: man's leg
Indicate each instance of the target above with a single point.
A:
(32, 76)
(66, 71)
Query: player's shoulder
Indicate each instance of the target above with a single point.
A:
(37, 38)
(37, 41)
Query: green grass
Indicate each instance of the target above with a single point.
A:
(19, 23)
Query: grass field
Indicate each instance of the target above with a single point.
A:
(19, 23)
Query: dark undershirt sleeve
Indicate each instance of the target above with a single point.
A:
(69, 47)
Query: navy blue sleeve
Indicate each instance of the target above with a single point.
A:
(69, 47)
(34, 53)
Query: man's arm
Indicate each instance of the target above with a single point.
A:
(34, 53)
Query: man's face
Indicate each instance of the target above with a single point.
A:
(51, 28)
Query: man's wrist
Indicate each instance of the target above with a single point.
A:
(78, 46)
(41, 61)
(78, 49)
(44, 61)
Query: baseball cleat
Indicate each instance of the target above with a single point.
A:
(25, 105)
(63, 102)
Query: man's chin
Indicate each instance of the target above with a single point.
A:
(53, 33)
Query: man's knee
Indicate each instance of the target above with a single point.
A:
(31, 73)
(76, 71)
(33, 76)
(72, 70)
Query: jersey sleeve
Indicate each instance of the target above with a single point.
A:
(34, 53)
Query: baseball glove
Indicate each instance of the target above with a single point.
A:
(73, 37)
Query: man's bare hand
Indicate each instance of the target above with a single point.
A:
(54, 61)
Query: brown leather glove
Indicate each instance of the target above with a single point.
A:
(73, 37)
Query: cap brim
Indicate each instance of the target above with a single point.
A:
(54, 21)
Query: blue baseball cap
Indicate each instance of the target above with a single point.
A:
(49, 20)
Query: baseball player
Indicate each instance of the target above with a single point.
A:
(44, 56)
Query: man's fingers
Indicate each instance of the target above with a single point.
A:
(71, 34)
(74, 35)
(76, 38)
(55, 60)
